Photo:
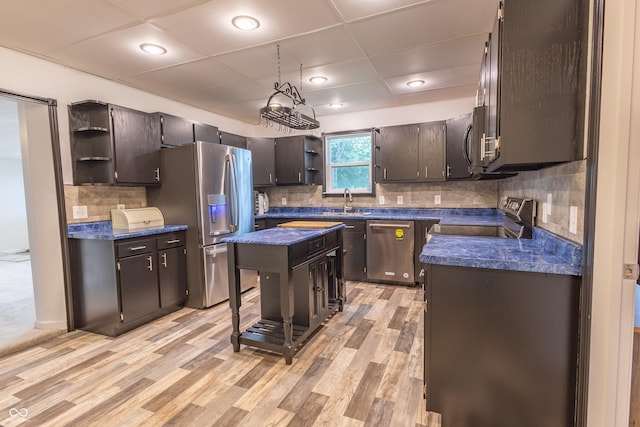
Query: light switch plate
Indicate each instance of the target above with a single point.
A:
(548, 203)
(400, 200)
(121, 206)
(573, 219)
(284, 201)
(437, 200)
(544, 212)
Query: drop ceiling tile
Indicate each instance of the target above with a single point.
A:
(323, 47)
(152, 8)
(439, 94)
(187, 77)
(356, 9)
(427, 23)
(457, 76)
(260, 62)
(236, 93)
(208, 26)
(339, 74)
(43, 26)
(118, 54)
(356, 105)
(343, 94)
(437, 56)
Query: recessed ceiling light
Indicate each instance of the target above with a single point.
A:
(245, 23)
(335, 105)
(415, 83)
(318, 79)
(153, 49)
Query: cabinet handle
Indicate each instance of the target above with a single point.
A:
(150, 266)
(349, 227)
(448, 171)
(384, 173)
(270, 181)
(164, 260)
(138, 248)
(299, 176)
(426, 171)
(158, 174)
(173, 241)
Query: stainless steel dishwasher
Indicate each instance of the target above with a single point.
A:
(390, 251)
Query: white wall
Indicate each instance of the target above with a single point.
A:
(13, 219)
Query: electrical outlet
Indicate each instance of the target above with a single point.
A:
(548, 203)
(121, 206)
(400, 200)
(573, 219)
(544, 212)
(80, 212)
(284, 201)
(381, 200)
(437, 200)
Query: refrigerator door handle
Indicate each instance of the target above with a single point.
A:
(233, 190)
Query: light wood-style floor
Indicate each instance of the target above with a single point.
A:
(364, 367)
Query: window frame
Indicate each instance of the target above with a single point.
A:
(328, 165)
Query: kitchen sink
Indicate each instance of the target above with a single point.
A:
(346, 213)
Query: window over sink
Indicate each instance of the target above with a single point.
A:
(348, 162)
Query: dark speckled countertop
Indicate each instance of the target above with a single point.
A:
(101, 230)
(280, 236)
(545, 253)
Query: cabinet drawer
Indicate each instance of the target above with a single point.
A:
(170, 240)
(354, 226)
(135, 247)
(316, 245)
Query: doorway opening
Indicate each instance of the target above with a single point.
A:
(33, 250)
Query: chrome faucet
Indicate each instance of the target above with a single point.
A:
(345, 208)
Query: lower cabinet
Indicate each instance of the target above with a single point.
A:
(354, 242)
(122, 284)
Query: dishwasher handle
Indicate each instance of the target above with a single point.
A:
(374, 225)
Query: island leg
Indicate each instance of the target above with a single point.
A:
(234, 296)
(286, 309)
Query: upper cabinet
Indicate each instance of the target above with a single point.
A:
(298, 160)
(205, 132)
(227, 138)
(411, 153)
(264, 161)
(533, 85)
(174, 131)
(113, 145)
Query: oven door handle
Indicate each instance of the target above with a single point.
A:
(373, 225)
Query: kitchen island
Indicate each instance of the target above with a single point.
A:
(501, 329)
(301, 284)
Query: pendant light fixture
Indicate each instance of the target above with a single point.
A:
(288, 117)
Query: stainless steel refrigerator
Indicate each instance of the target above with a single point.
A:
(208, 187)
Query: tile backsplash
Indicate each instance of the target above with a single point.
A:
(99, 200)
(566, 185)
(460, 194)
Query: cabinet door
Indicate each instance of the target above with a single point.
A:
(313, 163)
(138, 281)
(457, 146)
(492, 102)
(354, 244)
(205, 132)
(172, 276)
(227, 138)
(137, 146)
(175, 130)
(399, 153)
(289, 160)
(264, 161)
(432, 152)
(318, 292)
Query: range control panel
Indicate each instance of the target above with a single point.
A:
(519, 209)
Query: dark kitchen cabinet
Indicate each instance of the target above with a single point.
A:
(314, 305)
(420, 239)
(412, 153)
(122, 284)
(354, 246)
(298, 160)
(113, 145)
(458, 141)
(174, 131)
(205, 132)
(227, 138)
(535, 85)
(515, 348)
(264, 161)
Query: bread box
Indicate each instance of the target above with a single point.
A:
(136, 219)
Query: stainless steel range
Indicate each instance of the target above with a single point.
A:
(518, 222)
